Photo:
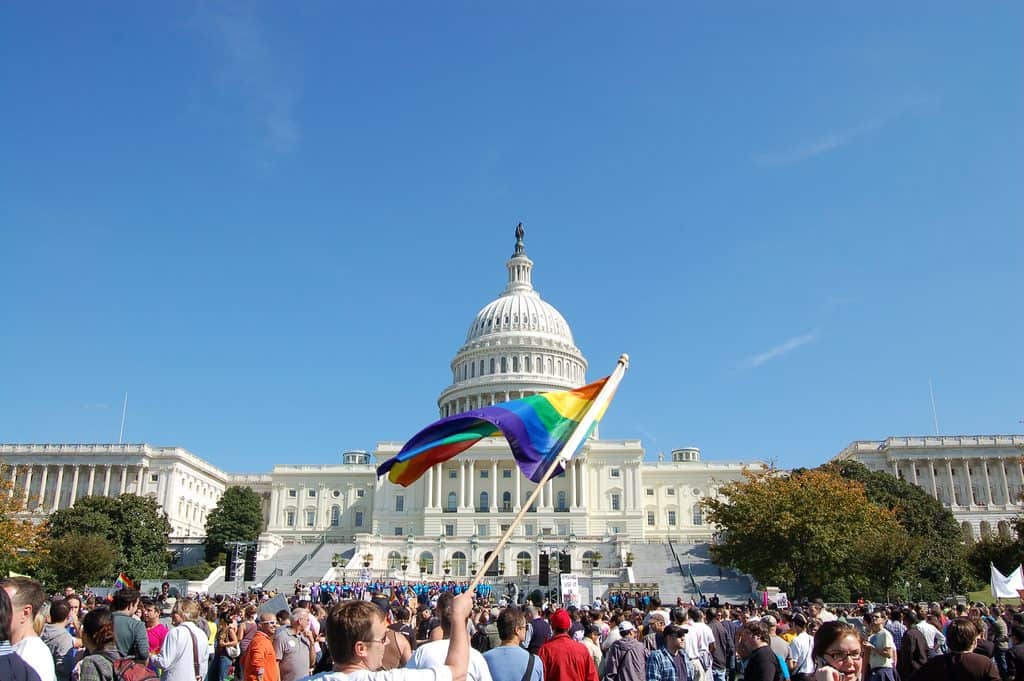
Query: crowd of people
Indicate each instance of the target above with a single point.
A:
(442, 632)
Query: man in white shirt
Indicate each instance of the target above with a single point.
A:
(433, 654)
(26, 598)
(185, 645)
(801, 662)
(699, 641)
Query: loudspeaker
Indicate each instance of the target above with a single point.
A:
(229, 564)
(543, 570)
(564, 562)
(250, 563)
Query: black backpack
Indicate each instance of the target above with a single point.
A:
(480, 641)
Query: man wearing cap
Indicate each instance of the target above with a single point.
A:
(778, 644)
(627, 658)
(565, 659)
(668, 663)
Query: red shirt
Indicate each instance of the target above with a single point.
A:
(566, 660)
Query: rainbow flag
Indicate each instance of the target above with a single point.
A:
(536, 427)
(122, 582)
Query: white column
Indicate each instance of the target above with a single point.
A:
(952, 483)
(439, 500)
(58, 492)
(895, 468)
(28, 484)
(74, 486)
(549, 492)
(584, 492)
(275, 501)
(106, 481)
(141, 486)
(970, 482)
(573, 465)
(462, 484)
(14, 479)
(913, 471)
(161, 489)
(1006, 483)
(124, 480)
(517, 503)
(42, 488)
(494, 486)
(627, 496)
(428, 501)
(322, 521)
(92, 478)
(472, 483)
(988, 482)
(935, 488)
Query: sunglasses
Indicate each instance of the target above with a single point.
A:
(382, 640)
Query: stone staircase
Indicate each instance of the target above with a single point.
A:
(656, 563)
(285, 559)
(313, 567)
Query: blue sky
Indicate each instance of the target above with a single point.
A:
(272, 223)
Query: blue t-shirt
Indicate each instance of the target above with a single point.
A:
(508, 663)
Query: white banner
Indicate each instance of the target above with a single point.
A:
(1006, 586)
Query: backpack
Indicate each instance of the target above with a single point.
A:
(480, 640)
(127, 669)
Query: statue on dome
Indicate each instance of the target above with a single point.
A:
(520, 249)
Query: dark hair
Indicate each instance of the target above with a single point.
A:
(124, 598)
(99, 626)
(59, 610)
(508, 620)
(960, 635)
(5, 616)
(759, 630)
(677, 615)
(798, 620)
(695, 614)
(402, 613)
(283, 616)
(830, 632)
(1017, 631)
(444, 610)
(347, 623)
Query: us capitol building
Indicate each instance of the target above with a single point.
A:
(610, 495)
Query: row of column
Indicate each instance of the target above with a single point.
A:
(467, 493)
(23, 475)
(1004, 479)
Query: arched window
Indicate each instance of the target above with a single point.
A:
(563, 505)
(472, 370)
(524, 564)
(506, 501)
(1004, 529)
(394, 560)
(481, 367)
(452, 502)
(459, 564)
(986, 530)
(968, 531)
(515, 363)
(551, 365)
(426, 562)
(529, 368)
(335, 516)
(492, 365)
(504, 365)
(484, 502)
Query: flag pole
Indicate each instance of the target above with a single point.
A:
(564, 455)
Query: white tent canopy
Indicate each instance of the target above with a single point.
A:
(1006, 586)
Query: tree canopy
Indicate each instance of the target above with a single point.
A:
(940, 564)
(69, 565)
(22, 542)
(134, 525)
(238, 516)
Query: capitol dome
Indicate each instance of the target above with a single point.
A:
(517, 345)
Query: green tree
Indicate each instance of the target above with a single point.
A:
(22, 542)
(1006, 553)
(134, 525)
(802, 532)
(79, 560)
(938, 560)
(238, 516)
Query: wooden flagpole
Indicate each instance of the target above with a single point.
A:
(574, 441)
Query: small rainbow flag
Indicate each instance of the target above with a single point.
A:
(536, 427)
(122, 582)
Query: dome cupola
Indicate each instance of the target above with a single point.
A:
(517, 345)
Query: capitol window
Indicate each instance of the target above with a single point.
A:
(506, 472)
(449, 530)
(504, 365)
(698, 515)
(615, 472)
(310, 518)
(672, 518)
(360, 493)
(359, 519)
(616, 503)
(650, 518)
(336, 494)
(484, 473)
(671, 491)
(399, 503)
(398, 531)
(452, 474)
(492, 365)
(311, 493)
(292, 493)
(649, 491)
(290, 518)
